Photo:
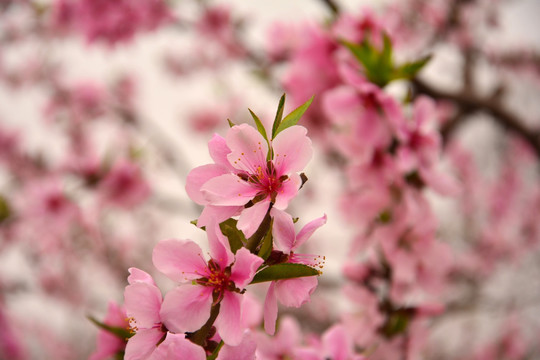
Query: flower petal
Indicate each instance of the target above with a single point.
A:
(228, 190)
(228, 322)
(288, 190)
(219, 150)
(308, 230)
(186, 308)
(295, 292)
(292, 150)
(141, 345)
(243, 351)
(142, 302)
(251, 218)
(248, 148)
(180, 260)
(283, 231)
(244, 267)
(220, 250)
(198, 177)
(139, 276)
(270, 310)
(217, 214)
(177, 347)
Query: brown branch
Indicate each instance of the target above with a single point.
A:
(472, 103)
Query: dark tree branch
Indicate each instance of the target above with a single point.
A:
(472, 103)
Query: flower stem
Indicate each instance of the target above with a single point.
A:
(255, 240)
(200, 336)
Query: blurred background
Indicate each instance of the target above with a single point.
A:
(104, 110)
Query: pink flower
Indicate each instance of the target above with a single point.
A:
(117, 21)
(293, 292)
(109, 344)
(283, 344)
(221, 281)
(124, 186)
(177, 347)
(143, 302)
(335, 344)
(243, 181)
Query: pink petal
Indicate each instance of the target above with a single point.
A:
(142, 302)
(424, 111)
(186, 308)
(217, 214)
(248, 148)
(288, 191)
(308, 230)
(337, 345)
(141, 345)
(180, 260)
(442, 183)
(270, 310)
(198, 177)
(139, 276)
(244, 267)
(228, 322)
(292, 150)
(283, 231)
(252, 217)
(219, 150)
(177, 347)
(228, 190)
(219, 246)
(295, 292)
(243, 351)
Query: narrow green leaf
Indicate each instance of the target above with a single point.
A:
(259, 124)
(120, 332)
(293, 117)
(231, 124)
(386, 55)
(235, 236)
(279, 115)
(266, 247)
(409, 70)
(284, 271)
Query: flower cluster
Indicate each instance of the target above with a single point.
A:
(251, 239)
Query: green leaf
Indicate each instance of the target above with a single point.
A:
(266, 247)
(293, 117)
(284, 271)
(409, 70)
(235, 236)
(231, 124)
(279, 115)
(120, 332)
(259, 124)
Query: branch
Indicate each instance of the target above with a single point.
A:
(471, 103)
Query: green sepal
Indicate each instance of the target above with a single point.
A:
(279, 116)
(120, 332)
(266, 246)
(231, 124)
(284, 271)
(215, 354)
(236, 237)
(293, 117)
